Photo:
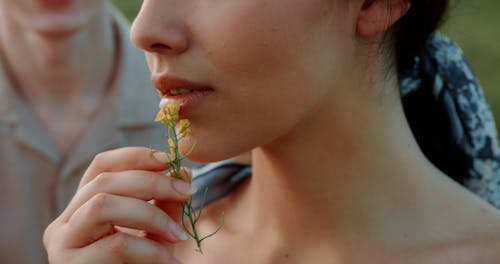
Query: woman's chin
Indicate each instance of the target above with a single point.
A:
(203, 152)
(200, 156)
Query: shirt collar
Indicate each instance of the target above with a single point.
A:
(124, 108)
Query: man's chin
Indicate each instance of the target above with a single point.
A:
(57, 32)
(60, 24)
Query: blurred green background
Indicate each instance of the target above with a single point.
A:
(474, 24)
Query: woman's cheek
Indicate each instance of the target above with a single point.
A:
(245, 42)
(248, 54)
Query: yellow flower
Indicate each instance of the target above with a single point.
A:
(169, 115)
(160, 117)
(184, 127)
(176, 130)
(173, 112)
(171, 146)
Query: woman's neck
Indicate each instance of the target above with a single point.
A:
(63, 71)
(346, 177)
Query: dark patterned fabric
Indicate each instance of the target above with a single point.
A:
(448, 115)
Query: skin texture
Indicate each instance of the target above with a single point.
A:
(337, 175)
(252, 70)
(109, 197)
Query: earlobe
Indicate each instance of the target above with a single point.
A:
(377, 16)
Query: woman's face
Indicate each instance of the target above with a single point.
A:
(53, 17)
(259, 67)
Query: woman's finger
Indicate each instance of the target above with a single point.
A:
(130, 158)
(170, 207)
(98, 217)
(143, 185)
(125, 248)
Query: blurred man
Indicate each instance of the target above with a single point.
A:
(71, 85)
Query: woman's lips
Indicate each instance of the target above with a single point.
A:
(187, 101)
(186, 93)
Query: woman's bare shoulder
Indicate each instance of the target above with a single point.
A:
(474, 251)
(488, 249)
(483, 247)
(477, 241)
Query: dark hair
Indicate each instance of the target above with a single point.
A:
(431, 124)
(414, 28)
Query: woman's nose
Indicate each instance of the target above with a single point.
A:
(159, 28)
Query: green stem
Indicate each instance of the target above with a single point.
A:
(187, 208)
(193, 227)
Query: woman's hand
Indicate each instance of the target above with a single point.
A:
(124, 211)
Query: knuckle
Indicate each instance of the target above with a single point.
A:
(51, 238)
(99, 203)
(155, 215)
(119, 245)
(99, 159)
(51, 231)
(47, 234)
(152, 182)
(102, 179)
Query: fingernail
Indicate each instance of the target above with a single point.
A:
(177, 231)
(183, 187)
(161, 156)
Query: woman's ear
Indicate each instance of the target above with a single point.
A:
(376, 16)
